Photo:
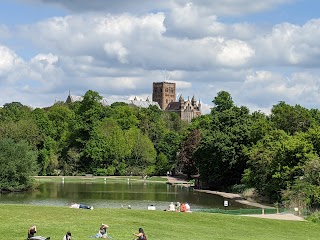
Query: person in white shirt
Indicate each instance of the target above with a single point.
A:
(187, 207)
(67, 236)
(172, 207)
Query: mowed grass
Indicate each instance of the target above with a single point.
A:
(158, 225)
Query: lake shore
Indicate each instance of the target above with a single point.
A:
(238, 198)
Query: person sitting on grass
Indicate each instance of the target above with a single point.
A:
(183, 207)
(67, 236)
(103, 231)
(141, 235)
(31, 231)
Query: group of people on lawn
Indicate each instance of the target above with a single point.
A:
(102, 233)
(179, 207)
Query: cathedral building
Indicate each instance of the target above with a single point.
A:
(164, 97)
(165, 94)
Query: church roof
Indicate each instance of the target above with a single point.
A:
(105, 102)
(173, 106)
(74, 98)
(141, 103)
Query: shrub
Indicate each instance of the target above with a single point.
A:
(314, 217)
(18, 163)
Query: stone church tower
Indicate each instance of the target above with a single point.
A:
(164, 93)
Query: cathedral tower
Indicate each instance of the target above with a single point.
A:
(164, 93)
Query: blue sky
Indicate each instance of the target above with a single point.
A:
(260, 52)
(14, 12)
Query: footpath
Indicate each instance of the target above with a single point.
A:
(240, 199)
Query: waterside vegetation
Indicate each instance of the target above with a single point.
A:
(230, 149)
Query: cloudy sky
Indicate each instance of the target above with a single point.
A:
(261, 52)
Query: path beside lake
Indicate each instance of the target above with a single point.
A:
(238, 198)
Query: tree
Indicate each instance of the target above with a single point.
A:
(25, 129)
(169, 145)
(275, 161)
(124, 115)
(14, 111)
(291, 119)
(18, 163)
(143, 154)
(219, 156)
(162, 165)
(186, 158)
(223, 101)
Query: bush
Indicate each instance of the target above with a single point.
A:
(238, 188)
(105, 171)
(314, 217)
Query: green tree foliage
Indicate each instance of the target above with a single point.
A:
(169, 145)
(143, 154)
(291, 119)
(124, 115)
(14, 111)
(152, 123)
(223, 101)
(261, 126)
(21, 130)
(17, 165)
(275, 161)
(220, 156)
(162, 165)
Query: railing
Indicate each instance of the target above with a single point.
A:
(242, 211)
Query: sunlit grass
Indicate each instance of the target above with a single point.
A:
(161, 225)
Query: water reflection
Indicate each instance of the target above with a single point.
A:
(115, 195)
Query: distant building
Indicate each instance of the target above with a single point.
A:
(135, 102)
(141, 103)
(165, 94)
(187, 110)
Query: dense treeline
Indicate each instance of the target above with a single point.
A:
(88, 138)
(277, 155)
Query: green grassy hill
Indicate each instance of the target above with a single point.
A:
(158, 225)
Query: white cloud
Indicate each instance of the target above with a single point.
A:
(235, 53)
(8, 59)
(117, 50)
(269, 88)
(290, 44)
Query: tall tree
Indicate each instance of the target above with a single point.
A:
(18, 163)
(186, 154)
(219, 156)
(223, 101)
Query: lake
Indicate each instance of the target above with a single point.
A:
(139, 195)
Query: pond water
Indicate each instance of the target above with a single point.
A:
(139, 195)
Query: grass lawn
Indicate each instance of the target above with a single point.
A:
(55, 221)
